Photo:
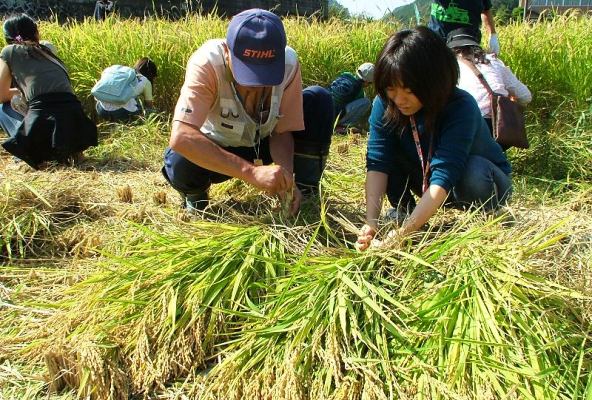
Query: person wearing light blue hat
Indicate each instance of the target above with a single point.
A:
(242, 113)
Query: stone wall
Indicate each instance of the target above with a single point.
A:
(78, 9)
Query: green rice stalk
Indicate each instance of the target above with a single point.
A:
(483, 325)
(158, 305)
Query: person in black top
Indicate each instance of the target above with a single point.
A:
(54, 126)
(448, 15)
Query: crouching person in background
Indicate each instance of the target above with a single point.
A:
(52, 126)
(102, 9)
(481, 73)
(120, 89)
(350, 104)
(241, 109)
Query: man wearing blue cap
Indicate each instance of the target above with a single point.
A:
(241, 109)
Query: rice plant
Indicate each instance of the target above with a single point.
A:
(401, 326)
(30, 214)
(250, 313)
(158, 318)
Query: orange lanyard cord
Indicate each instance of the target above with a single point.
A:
(425, 165)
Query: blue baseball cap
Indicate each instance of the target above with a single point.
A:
(257, 43)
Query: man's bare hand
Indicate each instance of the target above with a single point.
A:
(272, 179)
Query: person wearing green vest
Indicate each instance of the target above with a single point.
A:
(448, 15)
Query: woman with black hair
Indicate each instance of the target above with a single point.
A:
(54, 127)
(145, 74)
(427, 137)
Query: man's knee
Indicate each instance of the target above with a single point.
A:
(311, 146)
(310, 159)
(183, 175)
(308, 169)
(317, 94)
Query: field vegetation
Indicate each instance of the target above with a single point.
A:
(109, 291)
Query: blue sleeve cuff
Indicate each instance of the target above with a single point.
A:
(372, 165)
(443, 183)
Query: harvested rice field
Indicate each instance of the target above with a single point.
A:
(109, 290)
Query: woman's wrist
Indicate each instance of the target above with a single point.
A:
(372, 223)
(406, 227)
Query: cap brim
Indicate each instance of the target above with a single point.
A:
(248, 74)
(461, 43)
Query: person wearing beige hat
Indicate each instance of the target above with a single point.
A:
(350, 103)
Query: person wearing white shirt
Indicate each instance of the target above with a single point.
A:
(499, 77)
